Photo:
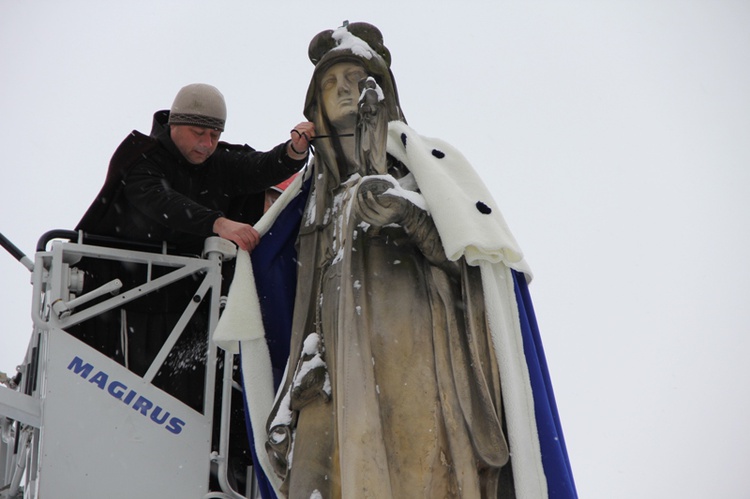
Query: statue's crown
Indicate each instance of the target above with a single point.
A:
(361, 39)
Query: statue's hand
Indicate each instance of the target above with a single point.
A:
(378, 207)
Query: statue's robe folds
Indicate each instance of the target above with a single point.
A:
(411, 379)
(405, 371)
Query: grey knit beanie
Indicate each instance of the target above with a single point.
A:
(201, 105)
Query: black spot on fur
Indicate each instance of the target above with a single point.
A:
(403, 139)
(483, 208)
(438, 154)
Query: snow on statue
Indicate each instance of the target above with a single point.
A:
(393, 298)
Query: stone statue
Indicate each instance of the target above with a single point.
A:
(394, 389)
(406, 368)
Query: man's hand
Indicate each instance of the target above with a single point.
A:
(244, 235)
(301, 135)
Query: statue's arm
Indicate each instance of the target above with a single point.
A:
(380, 206)
(420, 227)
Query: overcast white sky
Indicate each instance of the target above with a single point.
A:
(615, 135)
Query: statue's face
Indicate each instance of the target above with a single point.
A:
(341, 93)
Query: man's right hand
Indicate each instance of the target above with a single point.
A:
(244, 235)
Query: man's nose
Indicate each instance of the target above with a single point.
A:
(206, 141)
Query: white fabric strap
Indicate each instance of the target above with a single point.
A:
(518, 399)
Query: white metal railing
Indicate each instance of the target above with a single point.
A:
(58, 304)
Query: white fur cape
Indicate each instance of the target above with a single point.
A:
(470, 225)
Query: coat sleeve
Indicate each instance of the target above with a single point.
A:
(245, 170)
(161, 191)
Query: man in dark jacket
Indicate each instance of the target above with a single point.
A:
(181, 185)
(178, 185)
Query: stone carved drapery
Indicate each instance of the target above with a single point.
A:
(393, 387)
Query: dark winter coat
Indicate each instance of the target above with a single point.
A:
(153, 194)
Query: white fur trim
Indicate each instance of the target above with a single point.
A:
(242, 309)
(258, 385)
(452, 190)
(242, 324)
(518, 400)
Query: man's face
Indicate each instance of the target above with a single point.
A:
(341, 94)
(194, 142)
